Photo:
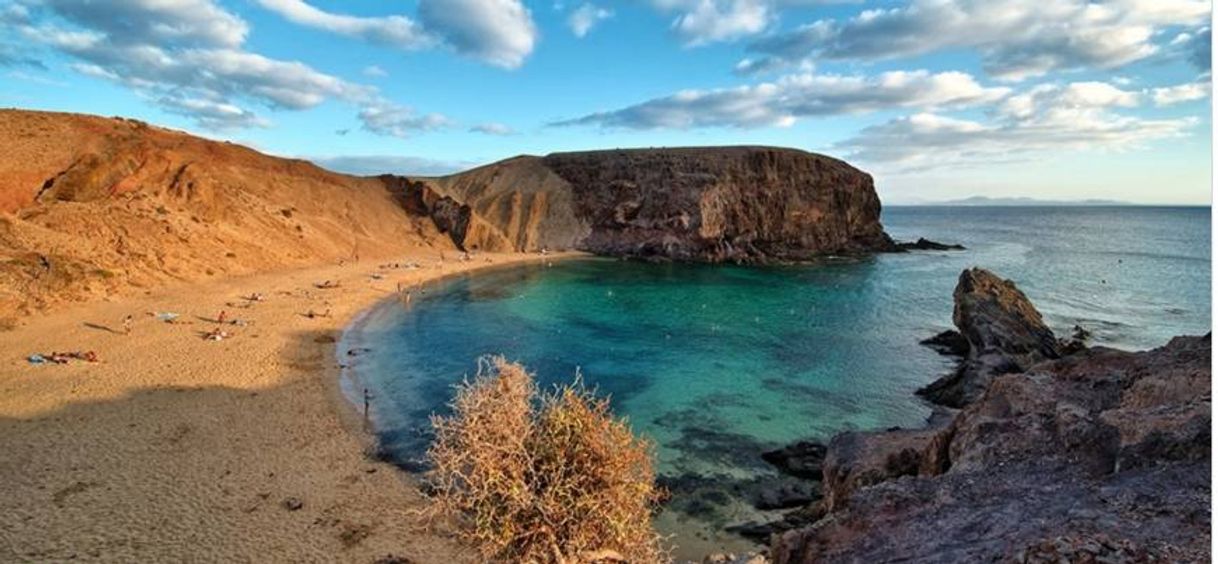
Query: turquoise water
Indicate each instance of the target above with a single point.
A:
(717, 363)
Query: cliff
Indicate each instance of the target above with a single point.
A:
(91, 207)
(1067, 454)
(710, 204)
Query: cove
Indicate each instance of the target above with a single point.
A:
(718, 363)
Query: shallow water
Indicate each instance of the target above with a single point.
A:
(717, 363)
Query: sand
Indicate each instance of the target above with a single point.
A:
(176, 448)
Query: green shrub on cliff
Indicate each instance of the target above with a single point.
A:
(527, 476)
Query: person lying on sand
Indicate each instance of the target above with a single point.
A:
(313, 315)
(328, 284)
(254, 297)
(127, 322)
(216, 334)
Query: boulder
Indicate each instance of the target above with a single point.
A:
(1004, 331)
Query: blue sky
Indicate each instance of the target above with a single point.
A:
(938, 99)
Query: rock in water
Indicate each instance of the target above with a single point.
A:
(1101, 455)
(1004, 332)
(802, 459)
(923, 244)
(711, 204)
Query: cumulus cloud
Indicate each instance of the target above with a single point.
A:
(370, 165)
(1187, 92)
(499, 32)
(188, 57)
(584, 18)
(782, 102)
(492, 129)
(1016, 39)
(1042, 120)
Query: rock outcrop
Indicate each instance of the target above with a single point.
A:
(923, 244)
(1003, 331)
(1093, 456)
(743, 204)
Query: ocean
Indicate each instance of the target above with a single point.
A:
(719, 363)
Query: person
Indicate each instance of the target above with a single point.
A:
(222, 317)
(127, 321)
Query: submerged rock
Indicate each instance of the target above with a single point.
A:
(803, 459)
(1004, 331)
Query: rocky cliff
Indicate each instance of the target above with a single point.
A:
(1075, 455)
(709, 204)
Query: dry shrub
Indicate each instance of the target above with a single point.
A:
(542, 477)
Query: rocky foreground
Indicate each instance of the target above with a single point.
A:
(1057, 452)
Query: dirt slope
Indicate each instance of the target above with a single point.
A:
(91, 206)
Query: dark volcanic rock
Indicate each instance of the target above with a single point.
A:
(950, 343)
(786, 495)
(923, 244)
(803, 459)
(1103, 453)
(1004, 332)
(711, 204)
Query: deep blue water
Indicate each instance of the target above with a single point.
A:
(716, 363)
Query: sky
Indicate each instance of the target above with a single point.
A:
(937, 99)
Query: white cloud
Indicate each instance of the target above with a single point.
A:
(492, 129)
(1015, 38)
(213, 115)
(188, 57)
(700, 22)
(584, 18)
(499, 32)
(782, 102)
(1187, 92)
(396, 31)
(399, 121)
(1046, 119)
(375, 71)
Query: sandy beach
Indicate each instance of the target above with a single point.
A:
(177, 448)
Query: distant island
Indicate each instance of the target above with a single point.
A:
(1016, 201)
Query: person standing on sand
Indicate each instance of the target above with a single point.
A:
(220, 319)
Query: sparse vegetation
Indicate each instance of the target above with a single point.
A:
(527, 476)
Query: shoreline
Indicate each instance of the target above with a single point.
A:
(174, 446)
